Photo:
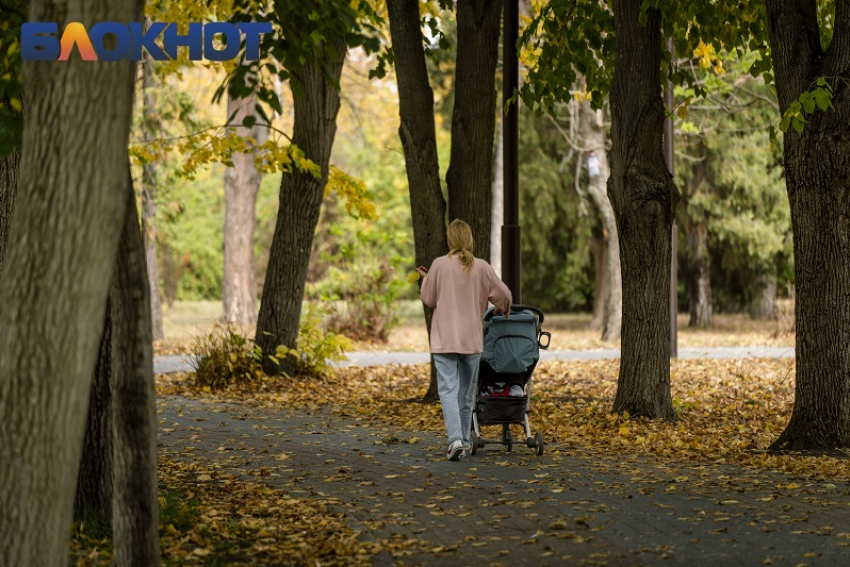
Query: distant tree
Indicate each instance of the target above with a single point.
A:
(308, 49)
(241, 185)
(151, 126)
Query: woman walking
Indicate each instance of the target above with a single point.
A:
(458, 287)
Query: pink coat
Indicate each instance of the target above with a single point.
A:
(460, 300)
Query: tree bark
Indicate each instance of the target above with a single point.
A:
(94, 484)
(817, 169)
(135, 517)
(241, 185)
(316, 106)
(470, 174)
(62, 246)
(644, 198)
(593, 138)
(150, 122)
(8, 187)
(497, 214)
(699, 281)
(598, 250)
(419, 140)
(764, 304)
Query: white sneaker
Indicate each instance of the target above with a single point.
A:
(516, 390)
(455, 450)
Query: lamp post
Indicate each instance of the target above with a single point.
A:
(511, 242)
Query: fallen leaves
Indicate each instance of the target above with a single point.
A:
(729, 411)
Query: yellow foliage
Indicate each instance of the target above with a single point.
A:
(353, 192)
(708, 58)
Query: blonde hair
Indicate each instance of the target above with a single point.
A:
(459, 237)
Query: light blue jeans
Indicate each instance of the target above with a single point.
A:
(456, 378)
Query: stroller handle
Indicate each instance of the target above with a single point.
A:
(517, 307)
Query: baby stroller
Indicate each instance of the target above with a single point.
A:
(511, 352)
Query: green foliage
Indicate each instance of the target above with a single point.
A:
(11, 119)
(225, 357)
(302, 31)
(557, 268)
(567, 38)
(190, 225)
(315, 349)
(731, 180)
(819, 97)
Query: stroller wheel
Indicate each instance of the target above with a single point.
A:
(507, 438)
(473, 441)
(538, 444)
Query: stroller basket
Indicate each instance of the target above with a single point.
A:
(501, 410)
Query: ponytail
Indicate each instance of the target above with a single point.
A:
(459, 237)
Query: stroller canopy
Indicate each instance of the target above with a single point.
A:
(511, 344)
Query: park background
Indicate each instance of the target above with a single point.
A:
(193, 180)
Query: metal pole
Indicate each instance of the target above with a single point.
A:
(668, 157)
(511, 237)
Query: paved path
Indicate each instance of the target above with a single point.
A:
(497, 508)
(166, 364)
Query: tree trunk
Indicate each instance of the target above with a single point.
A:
(170, 271)
(498, 207)
(419, 140)
(817, 169)
(470, 174)
(62, 246)
(8, 186)
(764, 304)
(150, 122)
(241, 185)
(94, 485)
(594, 139)
(301, 194)
(135, 517)
(599, 251)
(644, 198)
(699, 282)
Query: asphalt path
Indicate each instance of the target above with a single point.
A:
(168, 364)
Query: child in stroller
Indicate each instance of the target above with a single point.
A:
(511, 351)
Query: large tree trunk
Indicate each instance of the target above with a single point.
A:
(150, 120)
(94, 485)
(316, 106)
(62, 246)
(118, 468)
(644, 197)
(8, 187)
(817, 169)
(241, 185)
(135, 517)
(470, 174)
(593, 138)
(418, 138)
